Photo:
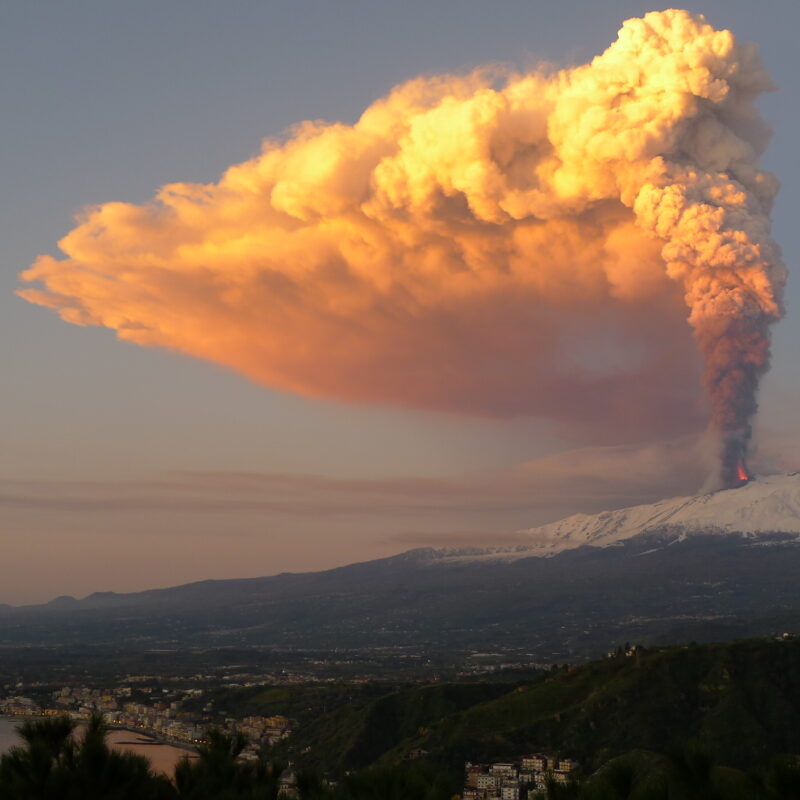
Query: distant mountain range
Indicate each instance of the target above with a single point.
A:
(713, 566)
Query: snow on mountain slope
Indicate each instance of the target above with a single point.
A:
(764, 505)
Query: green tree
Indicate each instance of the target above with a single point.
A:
(218, 774)
(417, 781)
(95, 770)
(35, 770)
(52, 764)
(781, 779)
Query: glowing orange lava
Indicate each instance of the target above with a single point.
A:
(741, 472)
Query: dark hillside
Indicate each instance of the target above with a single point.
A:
(742, 700)
(359, 732)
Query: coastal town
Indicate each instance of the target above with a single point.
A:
(159, 712)
(170, 715)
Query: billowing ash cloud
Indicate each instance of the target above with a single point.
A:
(491, 244)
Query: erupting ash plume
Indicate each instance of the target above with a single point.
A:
(491, 244)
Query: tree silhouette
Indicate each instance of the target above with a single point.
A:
(52, 764)
(217, 774)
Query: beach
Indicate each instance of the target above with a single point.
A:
(162, 756)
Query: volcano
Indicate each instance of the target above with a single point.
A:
(762, 505)
(708, 567)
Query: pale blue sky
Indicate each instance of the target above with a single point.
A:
(108, 100)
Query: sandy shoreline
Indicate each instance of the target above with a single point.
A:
(147, 737)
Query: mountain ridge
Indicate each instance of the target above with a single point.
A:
(764, 505)
(661, 582)
(602, 529)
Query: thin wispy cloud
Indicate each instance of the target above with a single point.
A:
(578, 478)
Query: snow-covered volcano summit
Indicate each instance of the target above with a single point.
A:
(763, 505)
(767, 504)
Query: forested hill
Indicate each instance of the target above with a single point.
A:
(742, 699)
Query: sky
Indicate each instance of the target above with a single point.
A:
(127, 467)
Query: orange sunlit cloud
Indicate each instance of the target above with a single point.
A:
(490, 244)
